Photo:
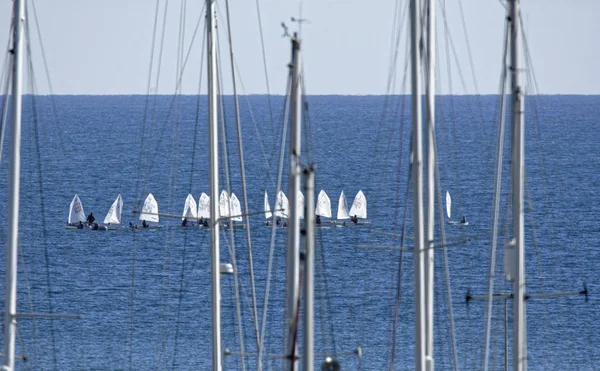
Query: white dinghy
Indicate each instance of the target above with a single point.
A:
(463, 222)
(149, 213)
(342, 212)
(190, 211)
(113, 219)
(323, 208)
(203, 210)
(359, 208)
(267, 207)
(76, 214)
(282, 208)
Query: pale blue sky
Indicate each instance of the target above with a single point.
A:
(103, 47)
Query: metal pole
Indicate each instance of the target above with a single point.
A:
(429, 266)
(505, 334)
(519, 333)
(214, 186)
(309, 268)
(417, 168)
(10, 322)
(293, 266)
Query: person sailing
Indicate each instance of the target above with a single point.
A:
(144, 224)
(90, 219)
(184, 222)
(354, 219)
(463, 220)
(318, 219)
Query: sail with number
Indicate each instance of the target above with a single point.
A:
(267, 208)
(114, 213)
(224, 204)
(190, 210)
(359, 206)
(150, 210)
(76, 213)
(204, 206)
(236, 208)
(282, 208)
(323, 205)
(342, 212)
(448, 205)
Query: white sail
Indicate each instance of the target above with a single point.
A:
(359, 206)
(114, 213)
(190, 210)
(268, 213)
(448, 205)
(282, 208)
(323, 205)
(76, 213)
(204, 206)
(342, 208)
(224, 204)
(300, 206)
(236, 208)
(150, 210)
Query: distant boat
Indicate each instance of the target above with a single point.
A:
(462, 222)
(224, 204)
(342, 212)
(267, 207)
(235, 208)
(204, 207)
(359, 207)
(282, 206)
(190, 210)
(76, 213)
(300, 206)
(113, 220)
(149, 212)
(323, 205)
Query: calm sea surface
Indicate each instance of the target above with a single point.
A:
(144, 296)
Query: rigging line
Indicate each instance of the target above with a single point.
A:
(197, 115)
(146, 106)
(5, 92)
(273, 227)
(264, 57)
(40, 182)
(243, 174)
(469, 53)
(497, 194)
(399, 277)
(445, 255)
(253, 119)
(49, 81)
(228, 187)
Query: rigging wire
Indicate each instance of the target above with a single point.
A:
(6, 72)
(243, 176)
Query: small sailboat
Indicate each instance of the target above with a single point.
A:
(300, 205)
(149, 212)
(76, 214)
(282, 208)
(323, 208)
(235, 208)
(224, 204)
(190, 210)
(112, 220)
(342, 212)
(267, 207)
(359, 207)
(203, 210)
(462, 222)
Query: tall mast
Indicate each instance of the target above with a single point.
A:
(309, 269)
(417, 175)
(214, 186)
(429, 266)
(292, 264)
(10, 311)
(517, 169)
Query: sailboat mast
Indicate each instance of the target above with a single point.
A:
(214, 186)
(429, 266)
(292, 264)
(417, 175)
(517, 169)
(309, 268)
(10, 311)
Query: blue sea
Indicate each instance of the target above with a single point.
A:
(144, 296)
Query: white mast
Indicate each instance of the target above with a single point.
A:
(214, 186)
(10, 311)
(309, 269)
(517, 169)
(429, 266)
(292, 264)
(417, 175)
